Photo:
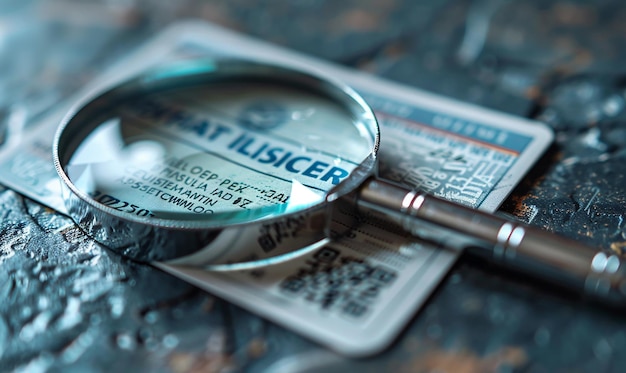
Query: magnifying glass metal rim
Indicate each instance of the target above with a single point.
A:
(73, 130)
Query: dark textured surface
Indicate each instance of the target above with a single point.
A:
(70, 305)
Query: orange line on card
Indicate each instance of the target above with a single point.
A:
(450, 134)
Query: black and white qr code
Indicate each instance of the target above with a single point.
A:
(339, 283)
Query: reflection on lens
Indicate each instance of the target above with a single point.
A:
(230, 150)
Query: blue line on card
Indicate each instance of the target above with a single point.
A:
(480, 132)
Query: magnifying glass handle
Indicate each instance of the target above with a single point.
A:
(531, 250)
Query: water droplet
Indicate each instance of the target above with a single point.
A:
(36, 326)
(117, 305)
(151, 317)
(170, 341)
(43, 302)
(37, 268)
(125, 341)
(43, 277)
(71, 315)
(74, 350)
(22, 279)
(613, 105)
(26, 312)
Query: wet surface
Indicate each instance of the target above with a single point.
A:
(70, 305)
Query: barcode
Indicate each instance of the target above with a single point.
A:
(339, 283)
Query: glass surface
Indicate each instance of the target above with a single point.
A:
(227, 151)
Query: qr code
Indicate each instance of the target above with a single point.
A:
(272, 235)
(339, 283)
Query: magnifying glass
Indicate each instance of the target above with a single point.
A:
(234, 162)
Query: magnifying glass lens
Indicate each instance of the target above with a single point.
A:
(228, 152)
